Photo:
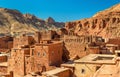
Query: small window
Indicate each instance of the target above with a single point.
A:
(85, 49)
(16, 62)
(27, 62)
(82, 71)
(44, 53)
(97, 68)
(32, 52)
(38, 53)
(118, 54)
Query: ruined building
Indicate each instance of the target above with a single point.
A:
(78, 46)
(34, 55)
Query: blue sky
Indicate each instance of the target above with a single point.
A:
(60, 10)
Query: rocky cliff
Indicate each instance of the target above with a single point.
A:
(105, 23)
(12, 21)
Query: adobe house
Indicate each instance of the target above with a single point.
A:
(113, 44)
(30, 57)
(98, 39)
(46, 35)
(94, 49)
(6, 42)
(112, 48)
(22, 41)
(37, 37)
(109, 70)
(47, 53)
(78, 45)
(75, 45)
(17, 61)
(88, 65)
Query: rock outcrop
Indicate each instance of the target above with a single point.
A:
(50, 20)
(105, 23)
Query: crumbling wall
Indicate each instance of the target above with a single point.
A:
(3, 69)
(3, 58)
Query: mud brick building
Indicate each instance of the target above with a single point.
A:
(79, 45)
(36, 58)
(46, 53)
(23, 40)
(6, 42)
(17, 61)
(45, 35)
(108, 71)
(94, 50)
(113, 44)
(37, 37)
(88, 65)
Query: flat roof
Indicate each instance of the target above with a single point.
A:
(55, 71)
(92, 58)
(117, 50)
(114, 45)
(3, 55)
(108, 71)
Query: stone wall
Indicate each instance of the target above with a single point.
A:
(76, 45)
(55, 54)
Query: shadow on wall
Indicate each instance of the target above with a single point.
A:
(65, 56)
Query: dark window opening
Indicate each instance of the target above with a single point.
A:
(32, 51)
(38, 53)
(44, 54)
(97, 68)
(85, 49)
(82, 71)
(118, 54)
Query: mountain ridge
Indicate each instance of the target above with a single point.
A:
(111, 9)
(13, 21)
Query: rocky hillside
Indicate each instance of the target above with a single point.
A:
(105, 23)
(12, 21)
